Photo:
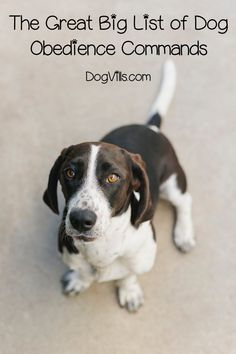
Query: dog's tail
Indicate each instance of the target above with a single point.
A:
(165, 95)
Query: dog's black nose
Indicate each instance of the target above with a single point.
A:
(82, 219)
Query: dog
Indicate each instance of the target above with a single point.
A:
(111, 190)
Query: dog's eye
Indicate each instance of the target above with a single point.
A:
(113, 178)
(69, 173)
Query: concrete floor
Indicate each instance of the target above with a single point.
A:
(46, 105)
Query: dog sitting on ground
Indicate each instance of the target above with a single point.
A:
(111, 190)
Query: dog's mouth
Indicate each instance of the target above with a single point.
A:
(85, 238)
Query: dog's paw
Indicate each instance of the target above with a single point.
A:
(131, 297)
(72, 284)
(184, 237)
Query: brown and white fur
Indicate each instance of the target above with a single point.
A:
(111, 190)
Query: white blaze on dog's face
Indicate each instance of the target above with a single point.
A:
(91, 198)
(98, 181)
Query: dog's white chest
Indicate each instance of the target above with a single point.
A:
(121, 250)
(109, 246)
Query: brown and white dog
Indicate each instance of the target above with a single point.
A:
(111, 190)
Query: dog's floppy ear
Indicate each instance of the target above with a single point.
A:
(50, 195)
(142, 208)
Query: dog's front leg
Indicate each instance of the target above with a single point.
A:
(130, 294)
(80, 275)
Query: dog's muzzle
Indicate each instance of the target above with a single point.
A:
(82, 220)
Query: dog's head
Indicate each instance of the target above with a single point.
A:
(98, 182)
